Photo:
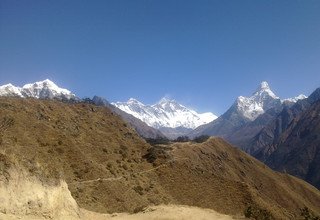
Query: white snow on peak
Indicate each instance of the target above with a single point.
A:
(41, 89)
(10, 90)
(45, 88)
(165, 113)
(264, 85)
(260, 101)
(264, 89)
(134, 101)
(295, 99)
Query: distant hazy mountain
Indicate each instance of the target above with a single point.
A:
(168, 115)
(244, 111)
(41, 90)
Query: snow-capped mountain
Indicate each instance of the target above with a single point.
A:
(295, 99)
(260, 101)
(10, 90)
(263, 102)
(165, 113)
(41, 90)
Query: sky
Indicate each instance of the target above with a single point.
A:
(202, 53)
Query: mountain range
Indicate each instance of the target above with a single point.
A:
(167, 118)
(141, 127)
(43, 90)
(275, 131)
(244, 110)
(170, 117)
(284, 134)
(47, 89)
(290, 142)
(52, 142)
(59, 159)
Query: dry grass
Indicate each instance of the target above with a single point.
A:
(221, 177)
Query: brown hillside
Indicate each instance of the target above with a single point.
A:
(109, 168)
(216, 175)
(77, 142)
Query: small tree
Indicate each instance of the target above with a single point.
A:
(159, 140)
(201, 138)
(182, 139)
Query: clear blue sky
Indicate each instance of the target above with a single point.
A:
(203, 53)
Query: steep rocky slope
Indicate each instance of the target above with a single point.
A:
(298, 148)
(109, 168)
(282, 146)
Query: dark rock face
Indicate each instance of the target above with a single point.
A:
(242, 136)
(298, 149)
(142, 128)
(263, 143)
(291, 141)
(230, 121)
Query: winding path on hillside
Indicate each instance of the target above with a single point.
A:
(121, 177)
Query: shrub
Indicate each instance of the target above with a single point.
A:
(253, 212)
(159, 140)
(201, 138)
(307, 214)
(182, 139)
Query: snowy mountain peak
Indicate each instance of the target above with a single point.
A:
(264, 85)
(165, 100)
(134, 101)
(10, 90)
(294, 99)
(42, 89)
(169, 105)
(46, 89)
(165, 113)
(264, 90)
(7, 86)
(261, 100)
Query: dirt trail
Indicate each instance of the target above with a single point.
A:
(123, 176)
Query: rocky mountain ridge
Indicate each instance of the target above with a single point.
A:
(45, 89)
(165, 113)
